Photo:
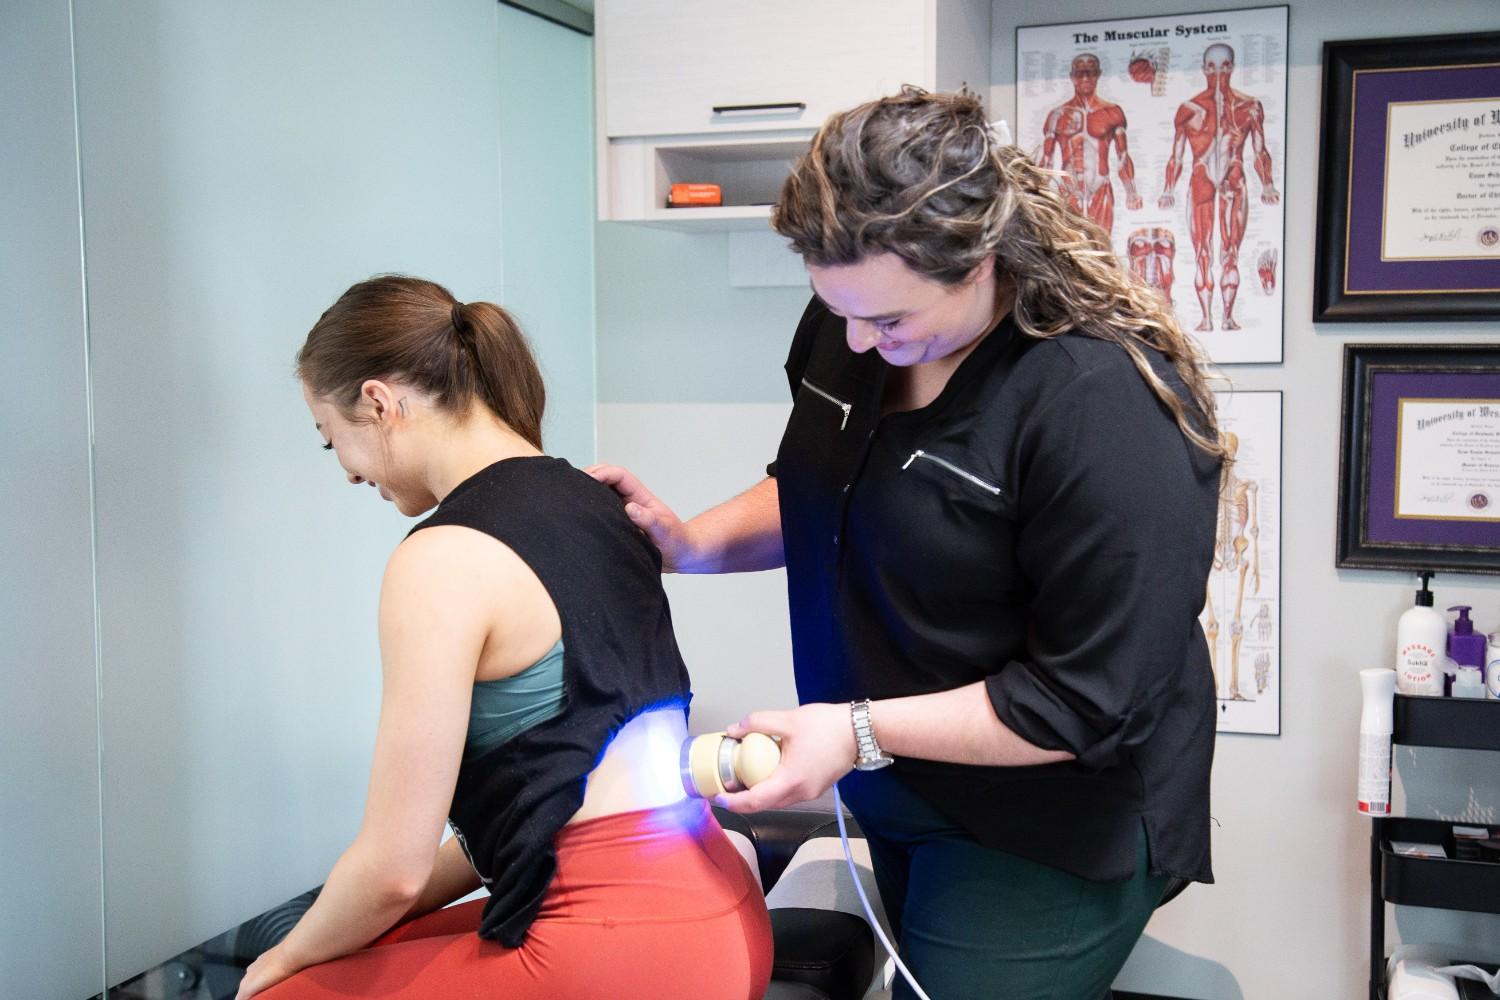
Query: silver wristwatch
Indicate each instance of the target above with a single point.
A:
(871, 757)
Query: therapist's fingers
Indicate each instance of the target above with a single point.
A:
(773, 793)
(642, 517)
(617, 478)
(771, 723)
(663, 528)
(623, 482)
(816, 750)
(648, 513)
(607, 474)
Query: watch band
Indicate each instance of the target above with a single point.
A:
(869, 755)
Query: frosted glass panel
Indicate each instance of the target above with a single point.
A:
(547, 208)
(244, 163)
(50, 920)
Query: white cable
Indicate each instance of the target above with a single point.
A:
(838, 812)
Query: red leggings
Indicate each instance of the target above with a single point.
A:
(650, 905)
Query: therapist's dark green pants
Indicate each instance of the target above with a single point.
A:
(974, 923)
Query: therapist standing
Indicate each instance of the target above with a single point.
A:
(995, 500)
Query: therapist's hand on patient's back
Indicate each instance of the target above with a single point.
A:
(648, 513)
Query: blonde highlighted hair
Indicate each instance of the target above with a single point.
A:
(924, 177)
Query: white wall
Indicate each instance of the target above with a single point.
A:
(690, 370)
(732, 630)
(51, 929)
(241, 165)
(692, 398)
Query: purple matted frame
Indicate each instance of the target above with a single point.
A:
(1361, 80)
(1377, 377)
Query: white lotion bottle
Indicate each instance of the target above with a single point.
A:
(1421, 645)
(1375, 724)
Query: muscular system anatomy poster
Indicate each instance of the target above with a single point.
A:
(1170, 132)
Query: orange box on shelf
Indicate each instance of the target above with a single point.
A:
(694, 196)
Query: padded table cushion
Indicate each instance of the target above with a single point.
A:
(793, 991)
(831, 951)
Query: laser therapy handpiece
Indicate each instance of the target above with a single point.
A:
(714, 763)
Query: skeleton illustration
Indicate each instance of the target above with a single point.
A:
(1216, 124)
(1261, 623)
(1262, 672)
(1081, 131)
(1239, 529)
(1151, 252)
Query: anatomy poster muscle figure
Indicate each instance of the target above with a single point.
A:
(1170, 132)
(1242, 610)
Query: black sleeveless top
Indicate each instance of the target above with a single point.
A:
(620, 658)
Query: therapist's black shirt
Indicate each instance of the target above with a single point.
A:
(1042, 526)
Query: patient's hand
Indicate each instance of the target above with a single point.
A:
(265, 972)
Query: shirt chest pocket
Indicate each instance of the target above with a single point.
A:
(961, 484)
(820, 449)
(956, 521)
(822, 435)
(819, 405)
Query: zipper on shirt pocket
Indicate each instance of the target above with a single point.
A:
(989, 488)
(846, 407)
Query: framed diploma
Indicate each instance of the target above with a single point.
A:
(1419, 468)
(1409, 180)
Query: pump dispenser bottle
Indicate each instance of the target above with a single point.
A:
(1466, 648)
(1464, 644)
(1421, 639)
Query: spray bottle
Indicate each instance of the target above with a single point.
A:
(1375, 724)
(1421, 642)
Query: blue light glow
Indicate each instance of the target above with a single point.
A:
(639, 766)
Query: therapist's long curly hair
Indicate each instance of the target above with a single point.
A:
(923, 176)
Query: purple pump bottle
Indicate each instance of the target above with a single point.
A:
(1465, 646)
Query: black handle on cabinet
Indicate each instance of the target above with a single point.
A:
(725, 109)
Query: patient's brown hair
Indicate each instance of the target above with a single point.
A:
(397, 327)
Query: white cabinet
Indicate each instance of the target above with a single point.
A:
(729, 93)
(676, 68)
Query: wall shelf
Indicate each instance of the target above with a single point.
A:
(748, 169)
(1458, 723)
(1448, 883)
(694, 220)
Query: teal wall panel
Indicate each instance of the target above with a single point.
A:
(547, 210)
